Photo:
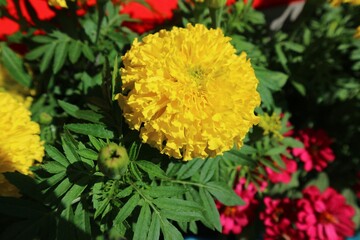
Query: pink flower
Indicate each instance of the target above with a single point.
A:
(316, 153)
(235, 218)
(278, 216)
(284, 176)
(324, 216)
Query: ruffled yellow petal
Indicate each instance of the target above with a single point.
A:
(188, 93)
(20, 144)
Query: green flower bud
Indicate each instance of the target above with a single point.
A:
(113, 160)
(45, 118)
(215, 3)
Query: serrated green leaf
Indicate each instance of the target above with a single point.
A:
(182, 216)
(95, 130)
(143, 223)
(224, 193)
(74, 51)
(45, 61)
(127, 209)
(53, 167)
(61, 52)
(151, 168)
(56, 155)
(170, 232)
(96, 143)
(74, 192)
(177, 204)
(74, 111)
(69, 148)
(88, 153)
(60, 190)
(154, 229)
(82, 223)
(165, 191)
(14, 65)
(42, 39)
(53, 180)
(37, 52)
(101, 208)
(88, 53)
(125, 192)
(190, 168)
(208, 169)
(210, 211)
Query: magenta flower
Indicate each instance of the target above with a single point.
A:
(278, 216)
(316, 153)
(324, 216)
(284, 176)
(234, 219)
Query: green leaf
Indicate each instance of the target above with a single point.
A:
(154, 229)
(88, 53)
(37, 52)
(127, 209)
(42, 39)
(177, 205)
(60, 55)
(88, 153)
(14, 65)
(69, 148)
(82, 223)
(275, 151)
(74, 192)
(293, 143)
(45, 61)
(60, 190)
(190, 168)
(151, 168)
(224, 193)
(74, 111)
(74, 51)
(53, 167)
(143, 223)
(271, 79)
(165, 191)
(182, 216)
(210, 211)
(56, 155)
(208, 169)
(170, 231)
(96, 143)
(95, 130)
(125, 192)
(65, 229)
(321, 182)
(299, 87)
(53, 180)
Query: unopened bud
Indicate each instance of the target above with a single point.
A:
(113, 160)
(45, 118)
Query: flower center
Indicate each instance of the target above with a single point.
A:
(230, 211)
(198, 75)
(326, 217)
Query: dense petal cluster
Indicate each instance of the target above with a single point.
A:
(324, 215)
(234, 219)
(278, 217)
(284, 175)
(316, 153)
(188, 92)
(20, 145)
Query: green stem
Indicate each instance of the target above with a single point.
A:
(216, 16)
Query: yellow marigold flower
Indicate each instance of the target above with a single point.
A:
(20, 144)
(339, 2)
(188, 93)
(271, 124)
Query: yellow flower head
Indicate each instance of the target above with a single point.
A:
(188, 93)
(20, 144)
(271, 124)
(339, 2)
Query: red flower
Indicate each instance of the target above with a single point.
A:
(258, 4)
(284, 176)
(316, 152)
(324, 216)
(161, 10)
(235, 218)
(278, 216)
